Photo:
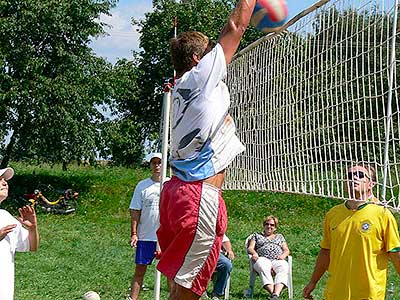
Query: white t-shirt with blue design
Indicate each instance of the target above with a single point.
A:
(203, 140)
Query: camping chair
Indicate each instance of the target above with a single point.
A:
(252, 278)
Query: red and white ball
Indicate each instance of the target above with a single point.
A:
(91, 296)
(269, 15)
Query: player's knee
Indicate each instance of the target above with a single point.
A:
(140, 271)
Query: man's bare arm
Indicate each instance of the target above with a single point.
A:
(321, 266)
(234, 29)
(28, 219)
(135, 219)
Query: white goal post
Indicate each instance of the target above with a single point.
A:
(318, 96)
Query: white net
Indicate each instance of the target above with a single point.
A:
(318, 97)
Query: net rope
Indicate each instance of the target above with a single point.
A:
(317, 97)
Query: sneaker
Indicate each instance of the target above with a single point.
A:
(274, 297)
(215, 298)
(145, 288)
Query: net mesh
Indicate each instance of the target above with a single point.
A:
(317, 97)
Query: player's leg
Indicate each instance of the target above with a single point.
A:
(182, 293)
(144, 256)
(137, 281)
(192, 223)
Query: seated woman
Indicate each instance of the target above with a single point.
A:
(268, 252)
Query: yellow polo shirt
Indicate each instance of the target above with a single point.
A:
(359, 242)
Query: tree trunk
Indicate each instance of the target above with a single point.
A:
(7, 154)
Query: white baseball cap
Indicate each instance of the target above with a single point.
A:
(154, 155)
(7, 173)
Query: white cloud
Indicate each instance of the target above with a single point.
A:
(122, 36)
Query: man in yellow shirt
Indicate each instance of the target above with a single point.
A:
(359, 238)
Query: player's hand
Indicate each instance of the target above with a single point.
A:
(134, 240)
(307, 291)
(6, 230)
(28, 217)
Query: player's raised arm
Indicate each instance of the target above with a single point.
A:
(234, 29)
(28, 219)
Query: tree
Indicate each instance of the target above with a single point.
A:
(124, 135)
(207, 16)
(50, 79)
(125, 142)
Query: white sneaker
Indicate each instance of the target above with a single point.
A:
(145, 288)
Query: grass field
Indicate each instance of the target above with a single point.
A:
(90, 249)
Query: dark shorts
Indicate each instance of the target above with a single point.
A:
(145, 252)
(193, 221)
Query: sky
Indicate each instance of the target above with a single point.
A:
(123, 37)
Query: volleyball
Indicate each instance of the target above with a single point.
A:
(269, 15)
(91, 296)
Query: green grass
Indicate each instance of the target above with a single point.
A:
(90, 249)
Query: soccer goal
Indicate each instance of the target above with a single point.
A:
(319, 95)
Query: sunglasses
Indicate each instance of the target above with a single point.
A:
(359, 174)
(269, 224)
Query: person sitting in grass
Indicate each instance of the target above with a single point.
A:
(359, 238)
(15, 235)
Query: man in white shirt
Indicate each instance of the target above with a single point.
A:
(193, 216)
(144, 211)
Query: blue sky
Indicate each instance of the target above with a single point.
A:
(123, 37)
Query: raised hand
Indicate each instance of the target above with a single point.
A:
(27, 217)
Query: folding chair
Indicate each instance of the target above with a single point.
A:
(252, 278)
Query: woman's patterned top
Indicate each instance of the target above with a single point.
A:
(266, 247)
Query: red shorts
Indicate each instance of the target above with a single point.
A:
(193, 221)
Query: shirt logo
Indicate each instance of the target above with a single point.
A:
(365, 226)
